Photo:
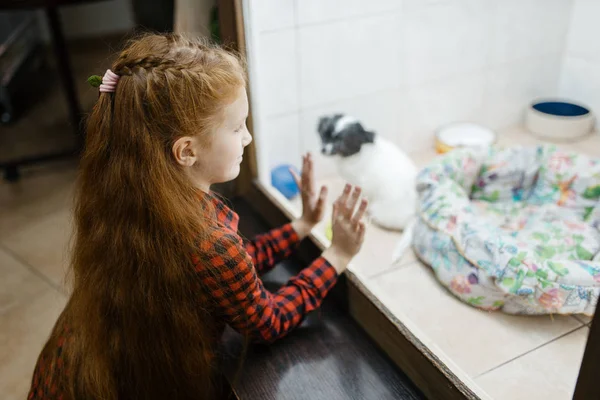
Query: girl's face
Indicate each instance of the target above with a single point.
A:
(221, 160)
(218, 159)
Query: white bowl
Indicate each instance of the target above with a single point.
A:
(463, 134)
(561, 120)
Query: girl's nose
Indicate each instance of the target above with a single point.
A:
(247, 138)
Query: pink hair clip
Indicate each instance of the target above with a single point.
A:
(109, 82)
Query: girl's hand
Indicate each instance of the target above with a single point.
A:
(348, 228)
(313, 202)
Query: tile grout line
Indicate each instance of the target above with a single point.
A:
(32, 269)
(529, 351)
(394, 269)
(577, 317)
(329, 103)
(406, 87)
(298, 77)
(349, 18)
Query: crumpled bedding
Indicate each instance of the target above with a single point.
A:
(513, 229)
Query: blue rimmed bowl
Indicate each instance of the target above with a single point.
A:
(557, 119)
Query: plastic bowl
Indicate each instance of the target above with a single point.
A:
(555, 119)
(283, 180)
(463, 134)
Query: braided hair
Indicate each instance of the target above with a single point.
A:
(139, 327)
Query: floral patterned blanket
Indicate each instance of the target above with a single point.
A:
(514, 229)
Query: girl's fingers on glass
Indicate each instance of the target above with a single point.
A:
(310, 174)
(323, 193)
(320, 206)
(297, 179)
(343, 198)
(335, 214)
(350, 202)
(360, 212)
(361, 231)
(353, 201)
(305, 173)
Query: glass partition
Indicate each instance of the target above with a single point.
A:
(408, 75)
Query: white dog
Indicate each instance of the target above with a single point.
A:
(384, 172)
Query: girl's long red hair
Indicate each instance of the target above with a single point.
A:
(136, 324)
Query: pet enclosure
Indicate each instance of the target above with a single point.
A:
(405, 68)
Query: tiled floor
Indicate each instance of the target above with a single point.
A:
(508, 357)
(477, 341)
(549, 372)
(34, 216)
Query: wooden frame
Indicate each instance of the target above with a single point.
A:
(587, 387)
(231, 25)
(432, 377)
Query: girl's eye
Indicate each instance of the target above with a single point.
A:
(239, 129)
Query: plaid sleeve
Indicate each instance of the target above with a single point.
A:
(270, 248)
(49, 373)
(242, 301)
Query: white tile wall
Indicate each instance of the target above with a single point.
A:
(584, 31)
(345, 59)
(445, 40)
(277, 74)
(309, 139)
(406, 67)
(410, 5)
(379, 112)
(273, 14)
(527, 28)
(580, 82)
(510, 88)
(283, 143)
(319, 11)
(580, 75)
(430, 106)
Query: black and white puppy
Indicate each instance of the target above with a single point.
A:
(343, 135)
(384, 172)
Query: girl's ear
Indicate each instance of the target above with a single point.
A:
(184, 151)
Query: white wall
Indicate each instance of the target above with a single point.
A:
(93, 19)
(580, 77)
(403, 67)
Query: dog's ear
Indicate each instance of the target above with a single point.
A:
(353, 137)
(362, 134)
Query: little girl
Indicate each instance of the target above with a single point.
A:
(158, 266)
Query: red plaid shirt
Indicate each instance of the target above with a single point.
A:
(228, 267)
(227, 262)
